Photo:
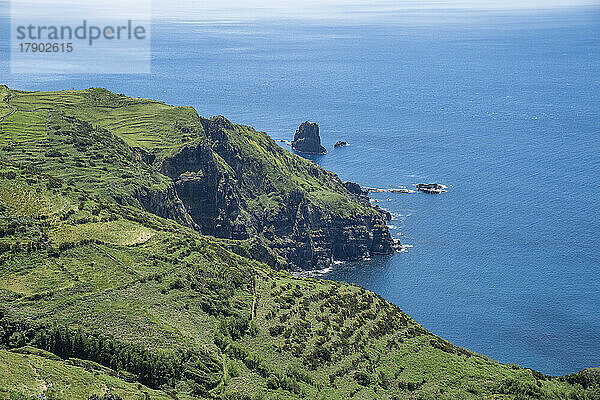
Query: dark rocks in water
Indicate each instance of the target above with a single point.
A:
(429, 186)
(340, 143)
(307, 139)
(432, 188)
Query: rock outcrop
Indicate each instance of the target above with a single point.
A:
(431, 188)
(307, 139)
(223, 182)
(164, 203)
(340, 143)
(309, 236)
(208, 192)
(354, 188)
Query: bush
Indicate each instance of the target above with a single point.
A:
(362, 378)
(276, 330)
(17, 339)
(105, 396)
(521, 389)
(153, 369)
(272, 382)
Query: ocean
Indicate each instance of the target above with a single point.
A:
(502, 107)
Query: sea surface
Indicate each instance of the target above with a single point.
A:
(502, 107)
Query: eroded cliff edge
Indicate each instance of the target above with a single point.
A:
(241, 185)
(222, 179)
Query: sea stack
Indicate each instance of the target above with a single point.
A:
(307, 139)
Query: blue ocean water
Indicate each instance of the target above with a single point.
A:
(503, 107)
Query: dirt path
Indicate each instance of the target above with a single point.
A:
(38, 377)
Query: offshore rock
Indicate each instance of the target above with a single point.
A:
(307, 139)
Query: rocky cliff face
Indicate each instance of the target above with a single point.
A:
(218, 182)
(307, 139)
(166, 204)
(319, 238)
(208, 193)
(308, 236)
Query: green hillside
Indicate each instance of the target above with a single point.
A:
(100, 296)
(35, 372)
(225, 180)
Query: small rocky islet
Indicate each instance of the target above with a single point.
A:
(431, 188)
(307, 139)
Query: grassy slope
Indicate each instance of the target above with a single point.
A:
(141, 123)
(286, 172)
(150, 281)
(269, 172)
(72, 150)
(36, 374)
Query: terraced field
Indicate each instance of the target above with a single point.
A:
(142, 123)
(24, 127)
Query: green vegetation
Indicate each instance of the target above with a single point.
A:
(225, 180)
(141, 123)
(100, 298)
(34, 373)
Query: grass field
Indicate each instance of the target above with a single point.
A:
(141, 123)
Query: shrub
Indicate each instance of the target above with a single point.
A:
(362, 378)
(273, 382)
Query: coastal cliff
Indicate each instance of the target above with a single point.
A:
(233, 191)
(221, 179)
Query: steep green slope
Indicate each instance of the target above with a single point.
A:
(36, 372)
(225, 180)
(147, 300)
